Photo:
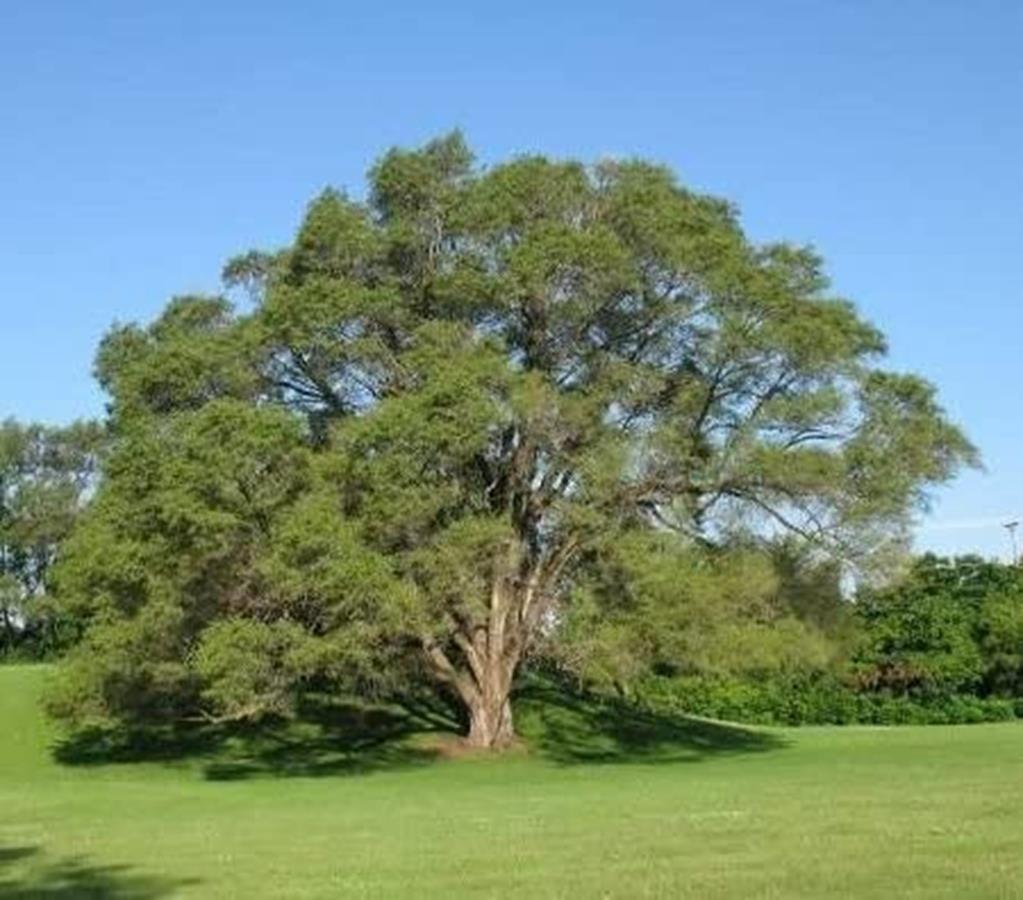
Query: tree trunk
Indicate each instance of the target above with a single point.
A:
(490, 724)
(487, 693)
(484, 656)
(483, 686)
(8, 629)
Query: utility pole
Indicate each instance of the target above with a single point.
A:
(1011, 528)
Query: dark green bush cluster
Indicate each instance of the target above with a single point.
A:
(816, 700)
(943, 645)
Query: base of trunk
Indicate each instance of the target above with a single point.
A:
(491, 727)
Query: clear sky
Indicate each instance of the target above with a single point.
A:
(141, 144)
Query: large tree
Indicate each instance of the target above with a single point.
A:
(462, 419)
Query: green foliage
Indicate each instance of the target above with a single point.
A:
(942, 645)
(190, 355)
(252, 668)
(950, 626)
(539, 408)
(46, 475)
(654, 602)
(814, 699)
(210, 537)
(127, 670)
(1001, 640)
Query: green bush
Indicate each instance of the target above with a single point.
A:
(818, 699)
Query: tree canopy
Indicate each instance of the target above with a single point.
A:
(482, 414)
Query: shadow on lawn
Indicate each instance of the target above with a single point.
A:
(75, 879)
(327, 737)
(572, 728)
(336, 738)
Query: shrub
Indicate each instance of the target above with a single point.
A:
(815, 699)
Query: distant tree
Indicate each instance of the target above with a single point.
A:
(1001, 638)
(45, 476)
(949, 626)
(481, 414)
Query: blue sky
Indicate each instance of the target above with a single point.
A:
(142, 144)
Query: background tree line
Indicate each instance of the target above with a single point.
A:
(541, 416)
(942, 643)
(46, 477)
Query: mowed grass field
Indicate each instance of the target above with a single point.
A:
(619, 812)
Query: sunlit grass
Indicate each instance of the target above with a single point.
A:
(600, 805)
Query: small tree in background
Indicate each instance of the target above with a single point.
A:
(482, 413)
(949, 626)
(45, 476)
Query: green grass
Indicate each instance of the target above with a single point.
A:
(603, 806)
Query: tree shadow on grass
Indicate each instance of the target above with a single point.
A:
(335, 737)
(576, 728)
(76, 879)
(327, 737)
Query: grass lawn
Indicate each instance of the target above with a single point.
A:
(597, 808)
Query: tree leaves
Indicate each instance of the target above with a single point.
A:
(490, 408)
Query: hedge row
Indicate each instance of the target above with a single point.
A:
(817, 700)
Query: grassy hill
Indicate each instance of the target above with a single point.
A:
(602, 805)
